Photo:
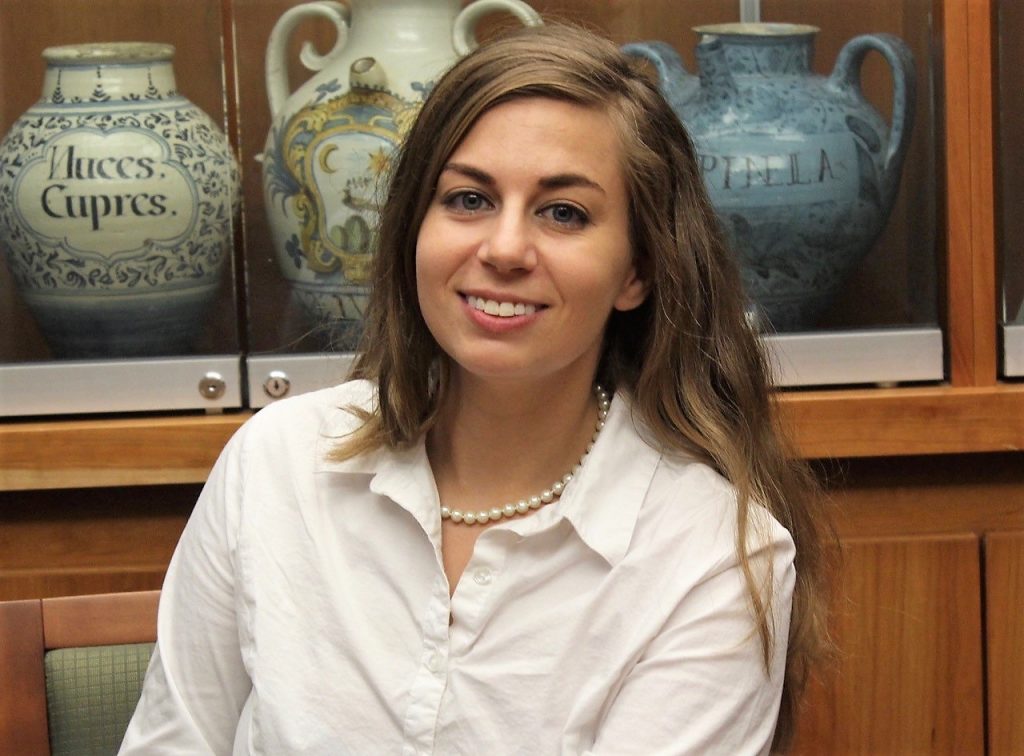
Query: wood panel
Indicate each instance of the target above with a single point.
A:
(63, 454)
(909, 679)
(30, 584)
(895, 422)
(22, 684)
(971, 274)
(985, 297)
(99, 619)
(876, 497)
(635, 20)
(89, 541)
(1004, 633)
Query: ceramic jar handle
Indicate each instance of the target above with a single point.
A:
(278, 87)
(846, 76)
(663, 56)
(464, 32)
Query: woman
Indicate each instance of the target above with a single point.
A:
(553, 513)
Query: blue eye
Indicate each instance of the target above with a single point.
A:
(566, 215)
(466, 202)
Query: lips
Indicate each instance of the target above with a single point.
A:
(501, 309)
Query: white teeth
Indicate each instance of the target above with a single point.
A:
(501, 309)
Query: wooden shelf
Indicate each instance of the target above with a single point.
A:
(906, 421)
(182, 449)
(123, 452)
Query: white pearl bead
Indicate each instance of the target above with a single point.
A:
(590, 447)
(483, 516)
(557, 488)
(445, 512)
(522, 506)
(508, 510)
(547, 497)
(456, 515)
(535, 502)
(469, 518)
(566, 479)
(496, 513)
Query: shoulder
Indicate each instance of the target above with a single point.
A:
(300, 422)
(693, 508)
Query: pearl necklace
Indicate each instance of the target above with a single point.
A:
(544, 497)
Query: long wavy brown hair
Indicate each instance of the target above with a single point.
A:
(687, 357)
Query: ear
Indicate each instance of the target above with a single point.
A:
(633, 291)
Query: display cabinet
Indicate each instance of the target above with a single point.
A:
(881, 325)
(117, 200)
(907, 358)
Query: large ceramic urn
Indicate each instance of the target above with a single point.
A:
(331, 140)
(116, 202)
(801, 169)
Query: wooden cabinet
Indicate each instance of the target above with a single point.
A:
(928, 615)
(909, 678)
(1004, 635)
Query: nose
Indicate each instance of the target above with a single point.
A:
(509, 244)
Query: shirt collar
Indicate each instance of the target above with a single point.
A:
(602, 504)
(402, 475)
(604, 501)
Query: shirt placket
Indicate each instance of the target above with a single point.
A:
(475, 593)
(427, 690)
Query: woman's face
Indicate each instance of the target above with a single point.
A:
(524, 250)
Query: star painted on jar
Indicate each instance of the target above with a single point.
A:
(380, 161)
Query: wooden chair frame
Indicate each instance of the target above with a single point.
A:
(28, 629)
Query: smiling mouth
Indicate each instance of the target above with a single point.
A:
(500, 309)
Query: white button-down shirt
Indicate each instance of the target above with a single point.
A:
(306, 609)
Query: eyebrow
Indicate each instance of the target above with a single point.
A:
(555, 181)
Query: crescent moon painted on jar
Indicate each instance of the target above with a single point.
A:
(325, 153)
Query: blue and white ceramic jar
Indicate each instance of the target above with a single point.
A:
(117, 196)
(331, 140)
(802, 170)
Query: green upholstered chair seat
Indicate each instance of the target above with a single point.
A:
(91, 693)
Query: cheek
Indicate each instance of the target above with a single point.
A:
(423, 279)
(432, 273)
(426, 255)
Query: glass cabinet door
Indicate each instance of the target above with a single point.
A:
(1009, 159)
(883, 323)
(118, 199)
(845, 289)
(838, 229)
(835, 222)
(293, 299)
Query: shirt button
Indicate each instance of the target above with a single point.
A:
(482, 576)
(435, 663)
